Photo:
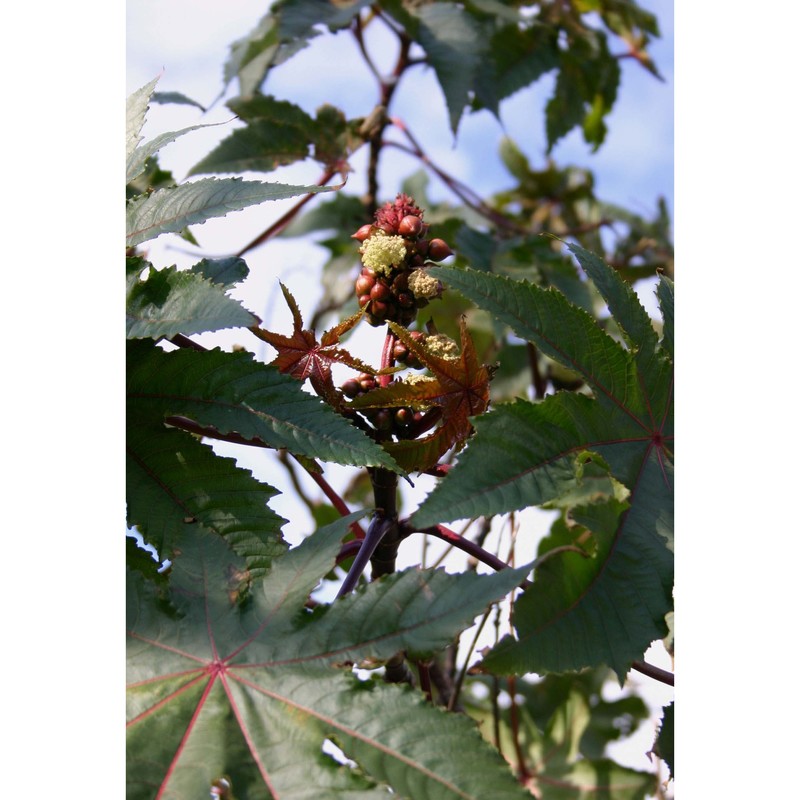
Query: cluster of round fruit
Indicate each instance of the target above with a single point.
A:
(393, 283)
(396, 421)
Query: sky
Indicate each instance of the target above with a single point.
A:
(736, 171)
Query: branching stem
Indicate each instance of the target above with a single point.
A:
(282, 222)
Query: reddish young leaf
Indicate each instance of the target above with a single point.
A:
(460, 388)
(302, 356)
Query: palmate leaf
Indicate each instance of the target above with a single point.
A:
(585, 611)
(170, 301)
(249, 691)
(235, 394)
(527, 454)
(459, 389)
(302, 356)
(171, 209)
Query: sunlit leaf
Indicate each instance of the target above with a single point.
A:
(171, 301)
(172, 209)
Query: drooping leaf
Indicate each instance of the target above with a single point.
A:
(454, 45)
(516, 57)
(252, 55)
(587, 780)
(562, 726)
(249, 691)
(581, 611)
(170, 301)
(172, 209)
(302, 356)
(235, 394)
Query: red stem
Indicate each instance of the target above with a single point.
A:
(387, 359)
(455, 539)
(336, 501)
(281, 223)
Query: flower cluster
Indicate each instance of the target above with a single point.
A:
(395, 249)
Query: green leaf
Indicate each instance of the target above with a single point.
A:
(277, 133)
(175, 98)
(143, 561)
(222, 271)
(172, 209)
(666, 302)
(516, 57)
(341, 215)
(588, 780)
(454, 45)
(247, 691)
(177, 487)
(623, 303)
(171, 301)
(234, 393)
(299, 18)
(559, 722)
(523, 454)
(562, 331)
(581, 611)
(526, 454)
(586, 88)
(664, 746)
(252, 56)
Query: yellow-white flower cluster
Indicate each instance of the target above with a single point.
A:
(381, 252)
(442, 346)
(423, 285)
